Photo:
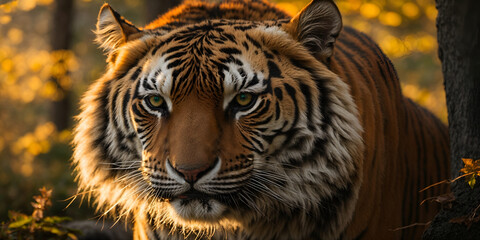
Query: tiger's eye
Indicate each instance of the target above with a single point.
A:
(155, 101)
(243, 99)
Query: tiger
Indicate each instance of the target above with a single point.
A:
(235, 120)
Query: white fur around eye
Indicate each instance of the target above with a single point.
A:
(158, 80)
(236, 82)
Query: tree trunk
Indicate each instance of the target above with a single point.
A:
(458, 25)
(60, 39)
(155, 8)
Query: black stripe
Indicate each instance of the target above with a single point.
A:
(268, 55)
(273, 70)
(291, 92)
(305, 89)
(161, 44)
(230, 37)
(137, 90)
(361, 69)
(175, 55)
(174, 49)
(253, 41)
(367, 42)
(328, 206)
(146, 84)
(237, 61)
(278, 93)
(230, 51)
(277, 110)
(265, 106)
(259, 123)
(175, 64)
(113, 106)
(245, 44)
(137, 112)
(102, 124)
(420, 159)
(125, 101)
(252, 82)
(136, 73)
(318, 150)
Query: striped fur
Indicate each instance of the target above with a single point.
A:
(327, 148)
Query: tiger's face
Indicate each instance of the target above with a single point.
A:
(220, 122)
(215, 115)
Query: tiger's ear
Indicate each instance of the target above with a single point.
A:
(113, 30)
(317, 27)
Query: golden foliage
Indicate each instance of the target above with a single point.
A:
(33, 77)
(34, 143)
(37, 225)
(404, 30)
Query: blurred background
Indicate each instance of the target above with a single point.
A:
(48, 59)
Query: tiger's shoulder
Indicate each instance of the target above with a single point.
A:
(358, 60)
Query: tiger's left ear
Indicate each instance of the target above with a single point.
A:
(317, 27)
(113, 30)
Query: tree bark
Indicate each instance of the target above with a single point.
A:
(155, 8)
(458, 25)
(60, 39)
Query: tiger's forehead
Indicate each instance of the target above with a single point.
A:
(213, 59)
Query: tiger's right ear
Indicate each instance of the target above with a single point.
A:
(113, 30)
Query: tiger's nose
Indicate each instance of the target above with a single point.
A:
(192, 174)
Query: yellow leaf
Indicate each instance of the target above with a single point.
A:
(469, 168)
(467, 161)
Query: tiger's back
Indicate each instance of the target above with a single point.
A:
(328, 148)
(415, 147)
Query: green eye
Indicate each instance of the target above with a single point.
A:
(155, 101)
(243, 99)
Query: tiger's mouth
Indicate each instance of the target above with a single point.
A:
(197, 206)
(193, 194)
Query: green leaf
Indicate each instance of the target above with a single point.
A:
(12, 215)
(56, 219)
(472, 181)
(72, 236)
(21, 222)
(54, 230)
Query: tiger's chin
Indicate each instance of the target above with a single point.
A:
(198, 210)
